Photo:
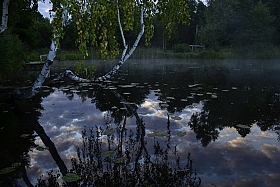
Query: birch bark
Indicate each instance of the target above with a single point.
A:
(46, 68)
(4, 20)
(124, 58)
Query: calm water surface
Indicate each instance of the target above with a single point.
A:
(225, 113)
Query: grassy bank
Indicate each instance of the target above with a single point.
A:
(168, 54)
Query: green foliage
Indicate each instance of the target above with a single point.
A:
(182, 48)
(237, 23)
(85, 71)
(97, 20)
(28, 24)
(11, 56)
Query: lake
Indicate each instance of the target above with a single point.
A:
(211, 120)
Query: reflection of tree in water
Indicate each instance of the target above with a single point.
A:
(252, 101)
(122, 159)
(204, 131)
(130, 163)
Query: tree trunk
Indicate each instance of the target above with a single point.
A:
(5, 9)
(46, 68)
(125, 56)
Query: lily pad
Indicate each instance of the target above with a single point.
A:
(71, 177)
(170, 98)
(243, 126)
(176, 117)
(120, 160)
(181, 134)
(40, 148)
(24, 135)
(157, 133)
(7, 170)
(109, 132)
(108, 153)
(17, 164)
(214, 96)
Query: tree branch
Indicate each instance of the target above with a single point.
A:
(72, 76)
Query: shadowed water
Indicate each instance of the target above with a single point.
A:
(225, 113)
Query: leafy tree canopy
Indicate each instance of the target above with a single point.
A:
(98, 21)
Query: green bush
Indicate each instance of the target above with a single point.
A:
(11, 56)
(182, 48)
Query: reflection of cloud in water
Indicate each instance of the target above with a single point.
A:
(230, 160)
(237, 161)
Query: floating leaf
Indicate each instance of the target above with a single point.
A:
(170, 98)
(214, 96)
(243, 126)
(120, 160)
(7, 170)
(108, 153)
(24, 135)
(181, 134)
(17, 164)
(109, 132)
(40, 148)
(157, 133)
(176, 117)
(71, 177)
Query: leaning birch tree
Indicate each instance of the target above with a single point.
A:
(101, 22)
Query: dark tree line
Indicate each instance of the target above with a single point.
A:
(239, 24)
(220, 23)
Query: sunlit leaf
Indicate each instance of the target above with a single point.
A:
(181, 134)
(7, 170)
(176, 117)
(108, 153)
(109, 132)
(71, 177)
(243, 126)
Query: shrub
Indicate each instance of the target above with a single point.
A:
(182, 48)
(11, 56)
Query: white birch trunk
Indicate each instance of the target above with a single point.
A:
(46, 68)
(4, 20)
(125, 56)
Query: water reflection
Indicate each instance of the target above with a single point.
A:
(229, 112)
